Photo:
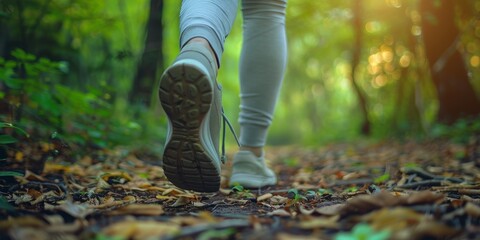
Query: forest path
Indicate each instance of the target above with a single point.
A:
(388, 190)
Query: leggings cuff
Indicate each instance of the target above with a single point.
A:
(205, 32)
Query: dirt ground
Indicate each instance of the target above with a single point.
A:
(383, 190)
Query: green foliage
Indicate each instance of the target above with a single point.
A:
(6, 138)
(363, 231)
(4, 205)
(49, 105)
(382, 178)
(351, 189)
(217, 234)
(460, 132)
(242, 192)
(10, 174)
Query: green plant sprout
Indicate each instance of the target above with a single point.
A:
(363, 231)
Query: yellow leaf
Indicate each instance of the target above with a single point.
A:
(141, 229)
(321, 222)
(19, 156)
(161, 197)
(139, 209)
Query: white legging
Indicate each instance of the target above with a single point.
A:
(262, 60)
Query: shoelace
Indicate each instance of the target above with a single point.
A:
(225, 123)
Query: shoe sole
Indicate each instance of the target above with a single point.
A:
(186, 95)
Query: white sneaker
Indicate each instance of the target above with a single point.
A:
(251, 171)
(191, 98)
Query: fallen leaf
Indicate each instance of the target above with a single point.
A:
(264, 197)
(305, 211)
(172, 192)
(279, 212)
(393, 219)
(330, 209)
(472, 210)
(141, 229)
(277, 199)
(118, 177)
(139, 209)
(24, 198)
(181, 201)
(77, 210)
(26, 221)
(424, 197)
(320, 222)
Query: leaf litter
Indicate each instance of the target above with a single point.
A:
(388, 190)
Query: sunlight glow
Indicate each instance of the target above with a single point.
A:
(372, 26)
(394, 3)
(405, 60)
(475, 61)
(416, 30)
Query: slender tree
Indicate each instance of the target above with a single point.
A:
(456, 96)
(152, 57)
(356, 52)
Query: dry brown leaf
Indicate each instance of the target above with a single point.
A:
(429, 228)
(65, 228)
(225, 191)
(139, 209)
(472, 210)
(30, 176)
(181, 201)
(154, 188)
(28, 233)
(279, 212)
(102, 184)
(264, 197)
(393, 219)
(320, 222)
(26, 221)
(77, 210)
(207, 217)
(141, 229)
(367, 203)
(172, 192)
(286, 236)
(305, 211)
(108, 202)
(234, 200)
(424, 197)
(119, 176)
(24, 198)
(353, 175)
(330, 210)
(166, 198)
(277, 199)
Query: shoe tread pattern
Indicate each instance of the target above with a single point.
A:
(186, 96)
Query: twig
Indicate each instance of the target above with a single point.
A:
(426, 175)
(425, 183)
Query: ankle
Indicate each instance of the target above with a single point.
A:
(257, 151)
(206, 44)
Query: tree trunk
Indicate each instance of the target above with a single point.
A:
(152, 57)
(455, 94)
(357, 28)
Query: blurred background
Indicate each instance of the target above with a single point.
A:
(87, 71)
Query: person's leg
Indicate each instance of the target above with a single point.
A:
(191, 97)
(210, 20)
(262, 66)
